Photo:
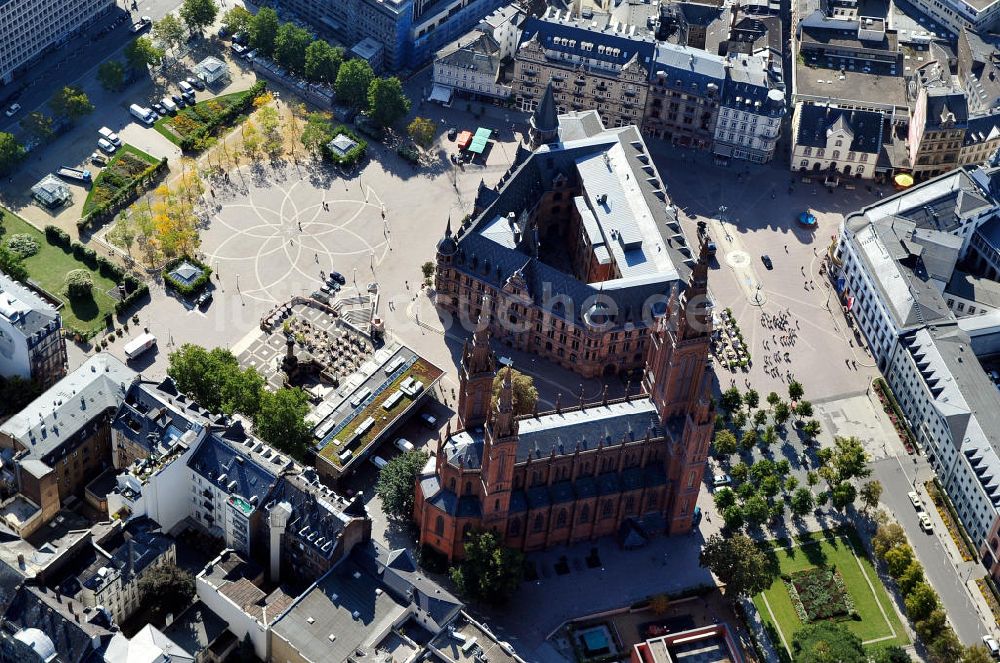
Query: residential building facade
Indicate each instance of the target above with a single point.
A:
(28, 28)
(472, 67)
(836, 143)
(751, 110)
(31, 341)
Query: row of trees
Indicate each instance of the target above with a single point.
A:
(742, 408)
(920, 600)
(70, 103)
(381, 98)
(215, 380)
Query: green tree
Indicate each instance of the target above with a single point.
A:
(11, 152)
(270, 129)
(773, 399)
(892, 654)
(843, 494)
(237, 19)
(770, 486)
(929, 627)
(732, 516)
(387, 103)
(776, 511)
(920, 602)
(353, 80)
(490, 572)
(39, 125)
(762, 469)
(795, 390)
(122, 234)
(71, 102)
(791, 484)
(755, 510)
(739, 563)
(322, 62)
(811, 429)
(215, 380)
(946, 647)
(111, 75)
(169, 31)
(317, 132)
(749, 439)
(739, 419)
(740, 471)
(141, 53)
(724, 497)
(977, 654)
(768, 437)
(751, 399)
(812, 478)
(290, 46)
(888, 537)
(783, 467)
(781, 413)
(724, 443)
(850, 459)
(169, 589)
(804, 409)
(802, 502)
(871, 492)
(898, 560)
(396, 482)
(731, 400)
(827, 642)
(79, 284)
(198, 14)
(421, 131)
(281, 422)
(427, 269)
(264, 30)
(523, 389)
(759, 418)
(910, 577)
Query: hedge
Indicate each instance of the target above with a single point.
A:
(124, 196)
(135, 289)
(190, 142)
(353, 156)
(57, 236)
(183, 288)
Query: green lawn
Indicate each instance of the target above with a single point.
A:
(169, 127)
(48, 269)
(836, 550)
(127, 163)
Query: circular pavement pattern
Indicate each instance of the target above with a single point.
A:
(738, 258)
(277, 237)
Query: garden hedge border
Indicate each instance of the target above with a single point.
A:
(355, 155)
(123, 197)
(190, 142)
(182, 288)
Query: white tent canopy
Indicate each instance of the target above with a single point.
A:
(211, 70)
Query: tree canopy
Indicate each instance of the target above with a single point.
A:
(141, 53)
(322, 62)
(316, 132)
(198, 14)
(264, 30)
(421, 131)
(387, 103)
(353, 80)
(739, 563)
(290, 45)
(169, 589)
(71, 102)
(281, 422)
(524, 391)
(11, 152)
(396, 483)
(111, 75)
(490, 571)
(827, 642)
(237, 19)
(169, 31)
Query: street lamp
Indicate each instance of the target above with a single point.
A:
(355, 278)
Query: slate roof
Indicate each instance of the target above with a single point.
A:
(196, 628)
(131, 558)
(974, 288)
(816, 120)
(692, 67)
(25, 310)
(96, 388)
(981, 128)
(569, 36)
(214, 458)
(318, 516)
(154, 416)
(985, 89)
(37, 608)
(480, 54)
(942, 104)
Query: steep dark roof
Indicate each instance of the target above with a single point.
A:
(480, 54)
(815, 120)
(214, 458)
(545, 118)
(571, 36)
(152, 417)
(37, 608)
(946, 103)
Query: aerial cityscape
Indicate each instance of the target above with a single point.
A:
(500, 331)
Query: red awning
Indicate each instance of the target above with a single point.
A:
(464, 139)
(850, 302)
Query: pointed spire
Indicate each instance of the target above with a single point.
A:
(505, 403)
(559, 403)
(447, 228)
(604, 396)
(544, 117)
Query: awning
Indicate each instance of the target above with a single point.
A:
(463, 140)
(480, 140)
(722, 150)
(440, 93)
(903, 180)
(850, 302)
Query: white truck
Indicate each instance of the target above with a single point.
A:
(138, 345)
(110, 136)
(143, 114)
(168, 103)
(80, 175)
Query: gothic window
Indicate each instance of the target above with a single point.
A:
(439, 526)
(608, 509)
(629, 504)
(561, 519)
(515, 527)
(539, 523)
(468, 488)
(585, 513)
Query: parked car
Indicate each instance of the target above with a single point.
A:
(106, 146)
(241, 38)
(251, 54)
(12, 111)
(188, 97)
(98, 159)
(204, 299)
(404, 445)
(766, 259)
(338, 277)
(177, 99)
(238, 49)
(158, 107)
(185, 86)
(379, 462)
(429, 420)
(915, 500)
(925, 523)
(195, 82)
(721, 480)
(992, 645)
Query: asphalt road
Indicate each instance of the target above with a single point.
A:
(939, 566)
(76, 58)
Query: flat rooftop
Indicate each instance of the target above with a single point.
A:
(454, 647)
(860, 88)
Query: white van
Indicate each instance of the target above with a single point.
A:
(110, 136)
(138, 345)
(185, 87)
(379, 462)
(404, 445)
(168, 103)
(143, 114)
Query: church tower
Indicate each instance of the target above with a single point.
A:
(475, 379)
(499, 455)
(544, 124)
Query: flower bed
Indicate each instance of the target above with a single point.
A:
(191, 126)
(945, 510)
(819, 593)
(119, 183)
(987, 590)
(187, 289)
(891, 408)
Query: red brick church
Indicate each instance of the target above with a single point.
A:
(576, 473)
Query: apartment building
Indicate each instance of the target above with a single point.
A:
(591, 63)
(836, 143)
(31, 342)
(979, 70)
(751, 109)
(685, 92)
(29, 27)
(956, 15)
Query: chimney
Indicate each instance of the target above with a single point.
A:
(278, 518)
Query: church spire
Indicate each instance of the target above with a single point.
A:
(544, 123)
(504, 424)
(696, 311)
